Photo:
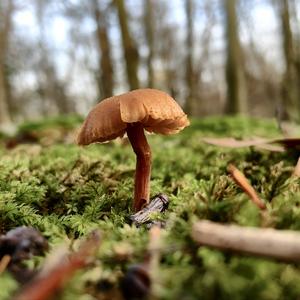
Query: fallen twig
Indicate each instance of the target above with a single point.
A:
(4, 262)
(242, 181)
(280, 244)
(45, 285)
(141, 280)
(154, 249)
(296, 172)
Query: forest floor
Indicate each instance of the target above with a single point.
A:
(66, 191)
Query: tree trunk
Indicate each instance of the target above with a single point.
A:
(6, 16)
(131, 54)
(235, 75)
(51, 89)
(290, 88)
(149, 32)
(106, 76)
(296, 16)
(4, 111)
(189, 71)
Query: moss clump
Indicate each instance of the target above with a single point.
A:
(63, 122)
(66, 191)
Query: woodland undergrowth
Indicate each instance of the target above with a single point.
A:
(66, 191)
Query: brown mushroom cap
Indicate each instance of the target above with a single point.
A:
(156, 110)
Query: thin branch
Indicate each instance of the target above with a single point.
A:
(154, 248)
(4, 262)
(296, 172)
(242, 181)
(279, 244)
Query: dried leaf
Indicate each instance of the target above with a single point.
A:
(234, 143)
(267, 144)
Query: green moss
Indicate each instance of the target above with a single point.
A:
(66, 191)
(66, 122)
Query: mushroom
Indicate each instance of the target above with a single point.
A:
(131, 113)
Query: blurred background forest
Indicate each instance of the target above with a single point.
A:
(212, 56)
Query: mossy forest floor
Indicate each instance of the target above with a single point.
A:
(66, 191)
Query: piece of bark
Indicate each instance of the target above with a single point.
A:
(158, 204)
(45, 285)
(279, 244)
(242, 181)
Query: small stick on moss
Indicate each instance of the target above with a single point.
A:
(45, 285)
(296, 172)
(242, 181)
(141, 280)
(279, 244)
(4, 262)
(154, 249)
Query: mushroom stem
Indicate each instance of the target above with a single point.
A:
(141, 148)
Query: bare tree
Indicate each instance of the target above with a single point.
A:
(169, 53)
(105, 79)
(6, 11)
(290, 83)
(51, 89)
(189, 70)
(262, 75)
(149, 33)
(130, 50)
(167, 75)
(235, 75)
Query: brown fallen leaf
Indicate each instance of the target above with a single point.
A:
(234, 143)
(271, 147)
(44, 285)
(267, 144)
(242, 181)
